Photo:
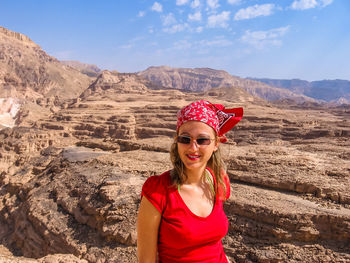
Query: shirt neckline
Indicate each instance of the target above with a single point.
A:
(189, 210)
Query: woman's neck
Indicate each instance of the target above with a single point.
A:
(195, 177)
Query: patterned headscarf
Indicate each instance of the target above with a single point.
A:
(215, 115)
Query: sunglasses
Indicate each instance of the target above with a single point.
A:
(199, 141)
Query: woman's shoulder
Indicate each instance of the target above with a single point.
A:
(160, 178)
(160, 182)
(223, 191)
(156, 189)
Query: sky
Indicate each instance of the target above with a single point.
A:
(285, 39)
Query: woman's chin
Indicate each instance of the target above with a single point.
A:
(194, 166)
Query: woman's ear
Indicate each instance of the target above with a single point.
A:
(216, 146)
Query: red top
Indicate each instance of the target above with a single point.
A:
(183, 236)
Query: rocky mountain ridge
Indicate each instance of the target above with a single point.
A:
(31, 81)
(203, 79)
(70, 184)
(17, 36)
(27, 72)
(87, 69)
(332, 91)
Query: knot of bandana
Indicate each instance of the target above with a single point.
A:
(215, 115)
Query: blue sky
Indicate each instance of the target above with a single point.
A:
(306, 39)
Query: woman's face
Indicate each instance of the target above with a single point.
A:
(193, 155)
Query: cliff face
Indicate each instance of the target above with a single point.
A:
(71, 183)
(113, 82)
(17, 36)
(37, 82)
(87, 69)
(334, 91)
(27, 72)
(203, 79)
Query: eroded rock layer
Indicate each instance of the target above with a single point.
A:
(204, 79)
(27, 72)
(71, 182)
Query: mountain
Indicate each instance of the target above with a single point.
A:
(32, 83)
(333, 91)
(108, 83)
(27, 72)
(88, 69)
(203, 79)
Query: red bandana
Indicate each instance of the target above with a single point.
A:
(215, 115)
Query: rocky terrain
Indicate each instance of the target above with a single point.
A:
(203, 79)
(332, 91)
(71, 174)
(27, 72)
(31, 81)
(88, 69)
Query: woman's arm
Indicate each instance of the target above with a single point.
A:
(148, 221)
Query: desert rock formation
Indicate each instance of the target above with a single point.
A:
(333, 91)
(88, 69)
(9, 108)
(31, 81)
(71, 183)
(27, 72)
(71, 174)
(203, 79)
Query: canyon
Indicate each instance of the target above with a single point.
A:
(76, 149)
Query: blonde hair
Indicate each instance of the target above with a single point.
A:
(215, 163)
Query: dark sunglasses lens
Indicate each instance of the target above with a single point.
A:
(183, 139)
(203, 141)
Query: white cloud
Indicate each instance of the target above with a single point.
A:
(220, 42)
(141, 14)
(133, 42)
(307, 4)
(234, 2)
(197, 16)
(127, 46)
(326, 2)
(213, 3)
(219, 20)
(254, 11)
(169, 19)
(181, 2)
(195, 3)
(262, 39)
(157, 7)
(182, 45)
(303, 4)
(199, 29)
(176, 28)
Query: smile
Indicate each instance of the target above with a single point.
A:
(193, 157)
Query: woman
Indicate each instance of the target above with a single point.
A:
(181, 217)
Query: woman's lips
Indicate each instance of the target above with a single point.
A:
(193, 157)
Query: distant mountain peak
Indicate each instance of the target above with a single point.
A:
(204, 79)
(88, 69)
(28, 72)
(332, 91)
(15, 35)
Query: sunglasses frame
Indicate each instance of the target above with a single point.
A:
(195, 140)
